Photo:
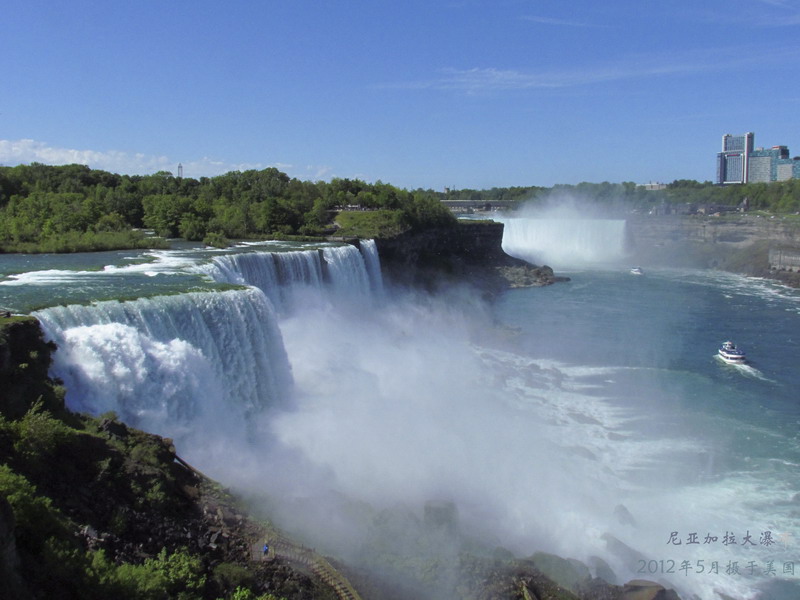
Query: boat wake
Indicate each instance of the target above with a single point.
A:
(745, 369)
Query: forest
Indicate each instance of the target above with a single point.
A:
(74, 208)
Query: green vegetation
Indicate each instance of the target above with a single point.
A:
(776, 197)
(87, 241)
(379, 223)
(73, 208)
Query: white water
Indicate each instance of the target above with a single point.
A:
(565, 242)
(297, 280)
(171, 363)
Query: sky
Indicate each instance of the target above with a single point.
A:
(418, 93)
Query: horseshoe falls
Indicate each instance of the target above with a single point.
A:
(590, 419)
(565, 242)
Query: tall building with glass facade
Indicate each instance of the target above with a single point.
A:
(734, 160)
(740, 162)
(763, 166)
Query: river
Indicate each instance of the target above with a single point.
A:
(589, 418)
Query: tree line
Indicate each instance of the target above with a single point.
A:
(42, 205)
(73, 207)
(776, 197)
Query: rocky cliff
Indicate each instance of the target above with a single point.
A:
(469, 251)
(747, 244)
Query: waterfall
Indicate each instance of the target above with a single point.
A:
(280, 275)
(369, 251)
(340, 275)
(563, 243)
(171, 363)
(187, 361)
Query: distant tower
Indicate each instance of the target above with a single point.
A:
(180, 170)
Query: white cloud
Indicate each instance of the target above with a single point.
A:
(484, 80)
(319, 172)
(24, 151)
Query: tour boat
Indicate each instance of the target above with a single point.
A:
(731, 354)
(637, 271)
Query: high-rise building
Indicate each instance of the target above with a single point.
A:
(734, 160)
(740, 162)
(763, 164)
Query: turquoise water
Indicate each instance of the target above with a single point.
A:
(719, 444)
(32, 281)
(588, 418)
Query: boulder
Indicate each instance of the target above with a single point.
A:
(641, 589)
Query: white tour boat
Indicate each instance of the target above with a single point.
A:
(731, 354)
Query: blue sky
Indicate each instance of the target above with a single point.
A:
(434, 93)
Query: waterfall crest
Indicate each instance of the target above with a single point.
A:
(330, 275)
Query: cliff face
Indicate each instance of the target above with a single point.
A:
(24, 362)
(476, 242)
(737, 231)
(747, 244)
(471, 251)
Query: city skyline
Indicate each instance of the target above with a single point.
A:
(461, 93)
(741, 161)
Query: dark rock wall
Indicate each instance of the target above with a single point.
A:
(24, 362)
(472, 242)
(741, 244)
(470, 252)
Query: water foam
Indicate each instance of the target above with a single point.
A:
(160, 362)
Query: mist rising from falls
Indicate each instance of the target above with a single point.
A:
(564, 230)
(333, 402)
(342, 392)
(564, 243)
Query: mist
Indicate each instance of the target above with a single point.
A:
(565, 231)
(395, 429)
(397, 409)
(420, 402)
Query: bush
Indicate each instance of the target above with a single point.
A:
(36, 518)
(177, 575)
(216, 240)
(229, 576)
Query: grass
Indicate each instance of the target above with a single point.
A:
(370, 224)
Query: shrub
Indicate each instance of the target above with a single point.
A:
(36, 518)
(216, 240)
